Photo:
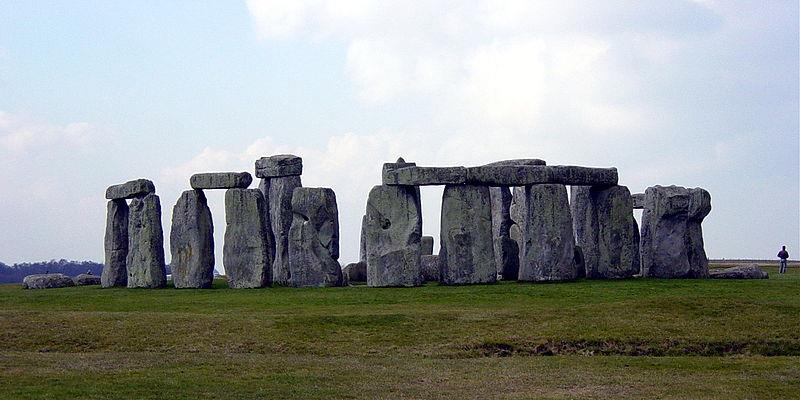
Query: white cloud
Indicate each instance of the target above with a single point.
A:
(20, 135)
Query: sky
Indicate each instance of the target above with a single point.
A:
(691, 93)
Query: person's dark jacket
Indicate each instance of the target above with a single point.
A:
(783, 254)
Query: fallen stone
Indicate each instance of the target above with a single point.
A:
(467, 250)
(130, 189)
(506, 250)
(393, 236)
(638, 201)
(523, 175)
(751, 271)
(192, 242)
(278, 192)
(672, 236)
(354, 272)
(426, 245)
(314, 239)
(115, 272)
(86, 280)
(278, 166)
(246, 253)
(429, 267)
(549, 245)
(606, 231)
(145, 261)
(221, 180)
(424, 176)
(46, 281)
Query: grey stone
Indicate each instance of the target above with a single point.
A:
(517, 213)
(191, 242)
(429, 267)
(426, 245)
(86, 280)
(354, 272)
(638, 201)
(115, 272)
(221, 180)
(606, 231)
(145, 261)
(46, 281)
(518, 161)
(314, 239)
(278, 166)
(362, 249)
(246, 253)
(580, 264)
(523, 175)
(549, 246)
(506, 249)
(584, 176)
(672, 236)
(750, 271)
(467, 250)
(389, 167)
(423, 176)
(130, 189)
(393, 231)
(278, 192)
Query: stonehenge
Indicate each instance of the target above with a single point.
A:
(47, 281)
(509, 220)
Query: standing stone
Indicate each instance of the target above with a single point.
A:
(314, 239)
(362, 250)
(606, 231)
(278, 192)
(145, 261)
(672, 236)
(116, 245)
(467, 251)
(393, 232)
(246, 254)
(192, 241)
(506, 250)
(426, 245)
(549, 253)
(517, 213)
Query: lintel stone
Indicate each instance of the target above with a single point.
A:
(221, 180)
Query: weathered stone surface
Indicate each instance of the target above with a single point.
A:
(221, 180)
(46, 281)
(130, 189)
(638, 201)
(278, 166)
(549, 253)
(145, 261)
(362, 249)
(506, 250)
(116, 245)
(580, 265)
(467, 250)
(278, 192)
(750, 271)
(606, 231)
(426, 245)
(86, 280)
(393, 232)
(354, 272)
(517, 212)
(429, 268)
(389, 167)
(522, 175)
(191, 241)
(672, 236)
(246, 253)
(314, 238)
(423, 176)
(518, 161)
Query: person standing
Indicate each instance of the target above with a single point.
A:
(783, 255)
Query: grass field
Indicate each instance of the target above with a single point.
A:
(588, 339)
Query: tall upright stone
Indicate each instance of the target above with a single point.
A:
(672, 235)
(192, 241)
(145, 261)
(606, 231)
(246, 254)
(393, 232)
(506, 250)
(314, 239)
(517, 213)
(362, 248)
(116, 245)
(426, 245)
(467, 252)
(549, 253)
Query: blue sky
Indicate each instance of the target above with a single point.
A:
(695, 93)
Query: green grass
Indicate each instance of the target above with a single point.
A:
(633, 338)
